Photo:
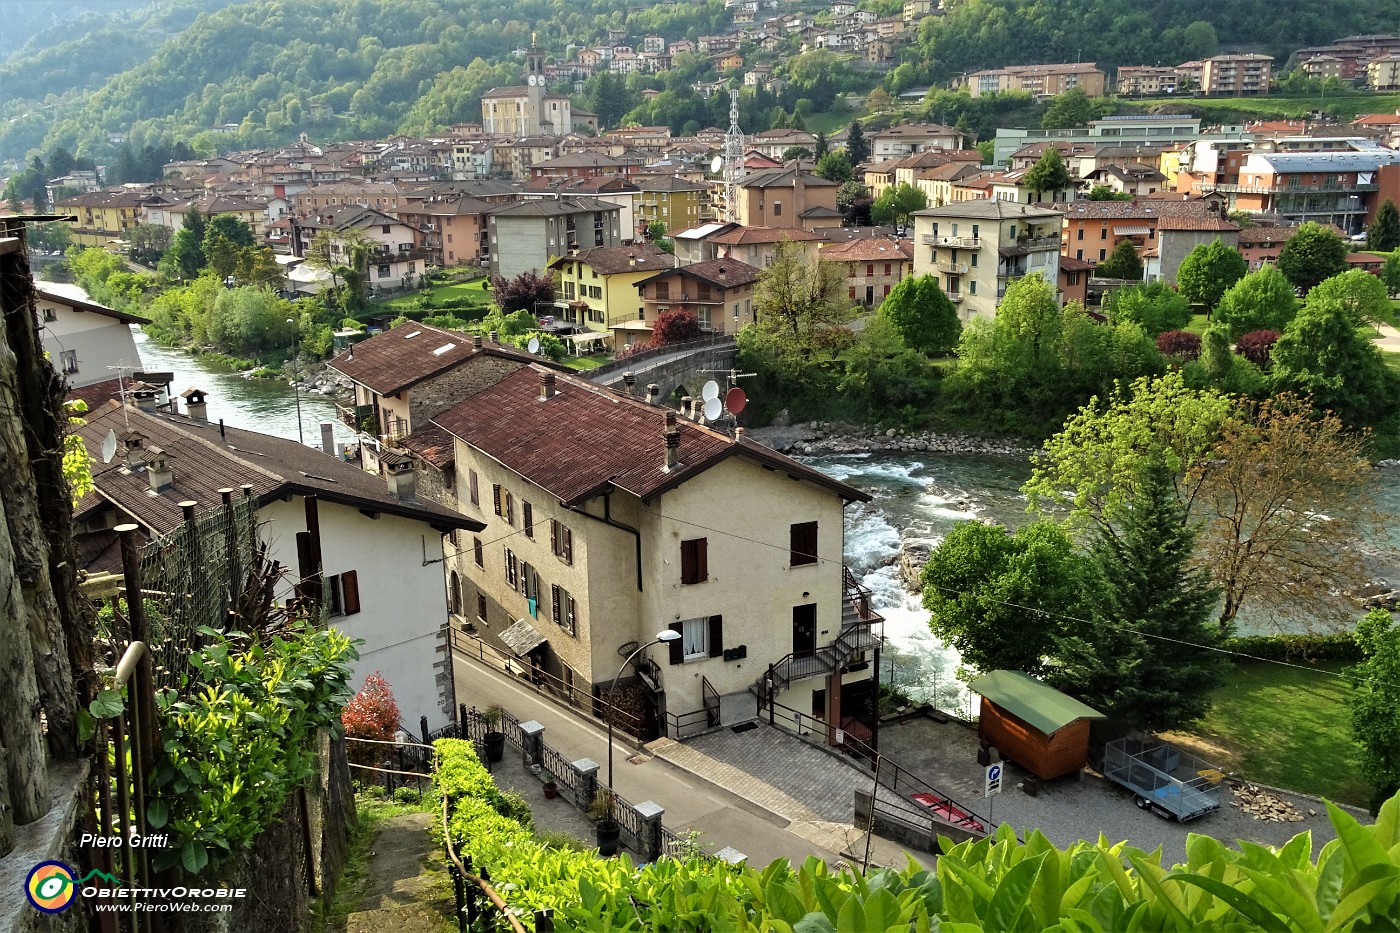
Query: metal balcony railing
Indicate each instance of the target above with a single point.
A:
(955, 242)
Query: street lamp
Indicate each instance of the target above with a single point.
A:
(296, 382)
(661, 637)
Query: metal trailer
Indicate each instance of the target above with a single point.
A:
(1163, 778)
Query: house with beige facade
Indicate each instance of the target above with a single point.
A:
(787, 197)
(719, 292)
(609, 518)
(873, 266)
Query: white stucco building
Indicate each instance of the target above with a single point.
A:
(86, 341)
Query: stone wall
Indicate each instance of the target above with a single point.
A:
(429, 399)
(687, 372)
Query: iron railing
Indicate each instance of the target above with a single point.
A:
(858, 620)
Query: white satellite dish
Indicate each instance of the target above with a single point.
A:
(109, 446)
(711, 390)
(534, 345)
(713, 408)
(717, 163)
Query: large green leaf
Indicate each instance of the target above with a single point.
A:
(1361, 848)
(1257, 913)
(194, 857)
(1012, 896)
(106, 705)
(813, 923)
(157, 813)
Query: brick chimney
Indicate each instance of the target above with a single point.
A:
(476, 342)
(158, 470)
(672, 436)
(546, 386)
(687, 407)
(629, 382)
(401, 477)
(653, 391)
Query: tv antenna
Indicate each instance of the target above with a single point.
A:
(733, 160)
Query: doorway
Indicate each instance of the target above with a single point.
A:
(804, 630)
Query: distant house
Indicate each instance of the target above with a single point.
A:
(873, 266)
(780, 197)
(395, 260)
(598, 287)
(87, 342)
(718, 292)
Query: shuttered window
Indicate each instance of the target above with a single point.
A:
(803, 543)
(496, 497)
(561, 541)
(474, 488)
(695, 560)
(528, 512)
(343, 594)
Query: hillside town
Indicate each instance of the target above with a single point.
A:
(589, 529)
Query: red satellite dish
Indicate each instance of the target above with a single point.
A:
(735, 400)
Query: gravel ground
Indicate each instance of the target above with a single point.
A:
(1071, 808)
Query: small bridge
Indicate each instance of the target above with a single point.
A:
(676, 370)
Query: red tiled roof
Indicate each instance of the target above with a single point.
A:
(432, 444)
(587, 438)
(741, 236)
(1189, 222)
(724, 273)
(398, 359)
(881, 249)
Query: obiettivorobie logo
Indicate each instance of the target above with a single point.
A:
(51, 886)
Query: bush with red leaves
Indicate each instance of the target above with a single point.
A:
(371, 714)
(1255, 346)
(676, 326)
(1181, 344)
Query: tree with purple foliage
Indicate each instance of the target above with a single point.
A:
(1256, 345)
(1181, 345)
(676, 326)
(522, 293)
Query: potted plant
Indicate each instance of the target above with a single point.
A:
(495, 740)
(551, 789)
(609, 829)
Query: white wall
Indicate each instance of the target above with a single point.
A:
(403, 605)
(103, 343)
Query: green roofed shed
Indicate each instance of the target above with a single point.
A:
(1038, 727)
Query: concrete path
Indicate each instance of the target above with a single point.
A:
(733, 803)
(406, 888)
(1389, 340)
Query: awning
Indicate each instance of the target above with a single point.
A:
(1135, 230)
(586, 337)
(522, 638)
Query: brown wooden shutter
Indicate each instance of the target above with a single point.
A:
(677, 646)
(529, 520)
(554, 604)
(803, 543)
(496, 496)
(350, 590)
(568, 543)
(716, 636)
(694, 561)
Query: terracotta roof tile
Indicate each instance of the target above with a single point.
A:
(883, 249)
(609, 260)
(397, 359)
(587, 437)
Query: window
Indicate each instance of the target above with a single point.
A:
(1079, 254)
(385, 228)
(694, 560)
(802, 538)
(481, 606)
(887, 265)
(561, 541)
(563, 608)
(1079, 234)
(69, 360)
(972, 287)
(473, 487)
(777, 208)
(510, 509)
(663, 290)
(529, 516)
(1102, 254)
(869, 269)
(50, 315)
(454, 594)
(700, 638)
(530, 586)
(343, 594)
(512, 569)
(1103, 233)
(496, 498)
(974, 231)
(383, 272)
(477, 554)
(851, 293)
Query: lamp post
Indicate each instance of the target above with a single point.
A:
(661, 637)
(296, 382)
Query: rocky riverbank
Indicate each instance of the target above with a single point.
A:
(815, 438)
(320, 379)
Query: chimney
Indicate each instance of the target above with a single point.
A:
(135, 449)
(144, 396)
(631, 260)
(495, 336)
(401, 477)
(629, 381)
(653, 391)
(687, 407)
(328, 437)
(546, 386)
(476, 342)
(673, 441)
(738, 435)
(158, 469)
(195, 406)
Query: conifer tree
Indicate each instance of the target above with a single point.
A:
(1384, 232)
(856, 147)
(1145, 658)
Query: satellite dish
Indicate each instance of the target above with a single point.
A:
(109, 446)
(710, 391)
(534, 345)
(717, 163)
(713, 409)
(735, 400)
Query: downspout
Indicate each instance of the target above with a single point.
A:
(607, 519)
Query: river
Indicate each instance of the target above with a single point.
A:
(916, 497)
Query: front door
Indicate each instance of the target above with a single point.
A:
(804, 630)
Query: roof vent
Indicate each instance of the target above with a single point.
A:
(410, 336)
(546, 386)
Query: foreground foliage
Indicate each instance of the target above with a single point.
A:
(995, 884)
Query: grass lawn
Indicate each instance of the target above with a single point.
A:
(1284, 727)
(582, 363)
(1198, 324)
(828, 122)
(474, 290)
(1346, 105)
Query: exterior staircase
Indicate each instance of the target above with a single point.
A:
(858, 633)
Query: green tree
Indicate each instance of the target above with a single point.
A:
(249, 321)
(1103, 192)
(1390, 273)
(799, 298)
(1152, 306)
(896, 203)
(1001, 599)
(1383, 235)
(224, 236)
(857, 149)
(1208, 270)
(187, 247)
(147, 243)
(1357, 292)
(1049, 173)
(885, 374)
(835, 166)
(854, 202)
(1262, 300)
(1122, 263)
(1312, 254)
(1375, 705)
(608, 97)
(1068, 109)
(1323, 356)
(1144, 658)
(822, 147)
(924, 317)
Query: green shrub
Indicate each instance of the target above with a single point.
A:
(1307, 647)
(408, 795)
(375, 790)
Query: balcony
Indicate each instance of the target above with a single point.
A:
(954, 242)
(358, 418)
(955, 297)
(1037, 244)
(952, 268)
(1336, 188)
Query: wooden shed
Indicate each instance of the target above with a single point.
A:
(1036, 726)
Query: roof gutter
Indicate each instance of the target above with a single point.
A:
(611, 522)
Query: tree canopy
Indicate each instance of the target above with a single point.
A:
(1383, 235)
(923, 315)
(1312, 254)
(1152, 306)
(1208, 270)
(1122, 263)
(1261, 300)
(1049, 173)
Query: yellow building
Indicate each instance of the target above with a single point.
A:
(597, 288)
(675, 202)
(1169, 163)
(105, 216)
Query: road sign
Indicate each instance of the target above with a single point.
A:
(993, 785)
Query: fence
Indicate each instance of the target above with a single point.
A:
(604, 373)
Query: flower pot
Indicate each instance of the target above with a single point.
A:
(609, 831)
(551, 790)
(495, 743)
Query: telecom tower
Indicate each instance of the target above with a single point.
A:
(733, 160)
